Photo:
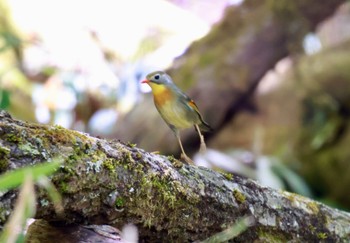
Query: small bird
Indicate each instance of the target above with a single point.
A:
(176, 108)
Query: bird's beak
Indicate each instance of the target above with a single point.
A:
(145, 81)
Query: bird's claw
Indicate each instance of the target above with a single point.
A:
(187, 159)
(203, 148)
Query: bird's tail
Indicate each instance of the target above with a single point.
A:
(205, 127)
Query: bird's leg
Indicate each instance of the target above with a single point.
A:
(203, 147)
(183, 154)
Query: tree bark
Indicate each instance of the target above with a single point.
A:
(108, 182)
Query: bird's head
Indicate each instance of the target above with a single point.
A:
(158, 81)
(157, 77)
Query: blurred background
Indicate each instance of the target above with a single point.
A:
(272, 78)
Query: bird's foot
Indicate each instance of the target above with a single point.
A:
(203, 148)
(187, 159)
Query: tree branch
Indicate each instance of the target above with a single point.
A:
(108, 182)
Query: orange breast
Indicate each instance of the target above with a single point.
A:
(162, 97)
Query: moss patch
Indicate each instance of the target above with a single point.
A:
(4, 155)
(322, 236)
(176, 163)
(108, 164)
(240, 198)
(119, 202)
(313, 206)
(270, 236)
(228, 176)
(158, 195)
(10, 137)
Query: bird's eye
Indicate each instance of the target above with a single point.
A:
(156, 77)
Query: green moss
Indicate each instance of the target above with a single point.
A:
(28, 148)
(68, 170)
(228, 176)
(131, 145)
(3, 215)
(171, 196)
(293, 197)
(308, 205)
(3, 164)
(139, 168)
(108, 164)
(4, 154)
(127, 158)
(119, 202)
(176, 163)
(312, 228)
(240, 198)
(73, 158)
(313, 206)
(322, 236)
(138, 155)
(171, 158)
(62, 135)
(58, 127)
(266, 235)
(63, 187)
(166, 191)
(13, 138)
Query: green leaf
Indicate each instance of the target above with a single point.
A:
(293, 180)
(235, 230)
(4, 99)
(10, 40)
(24, 209)
(54, 195)
(15, 178)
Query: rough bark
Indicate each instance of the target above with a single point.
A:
(43, 231)
(108, 182)
(222, 70)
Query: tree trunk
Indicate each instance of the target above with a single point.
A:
(108, 182)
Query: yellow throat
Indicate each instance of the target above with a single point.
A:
(161, 94)
(157, 89)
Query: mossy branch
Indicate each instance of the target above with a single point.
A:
(108, 182)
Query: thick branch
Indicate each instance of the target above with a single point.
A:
(108, 182)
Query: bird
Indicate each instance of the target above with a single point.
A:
(176, 108)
